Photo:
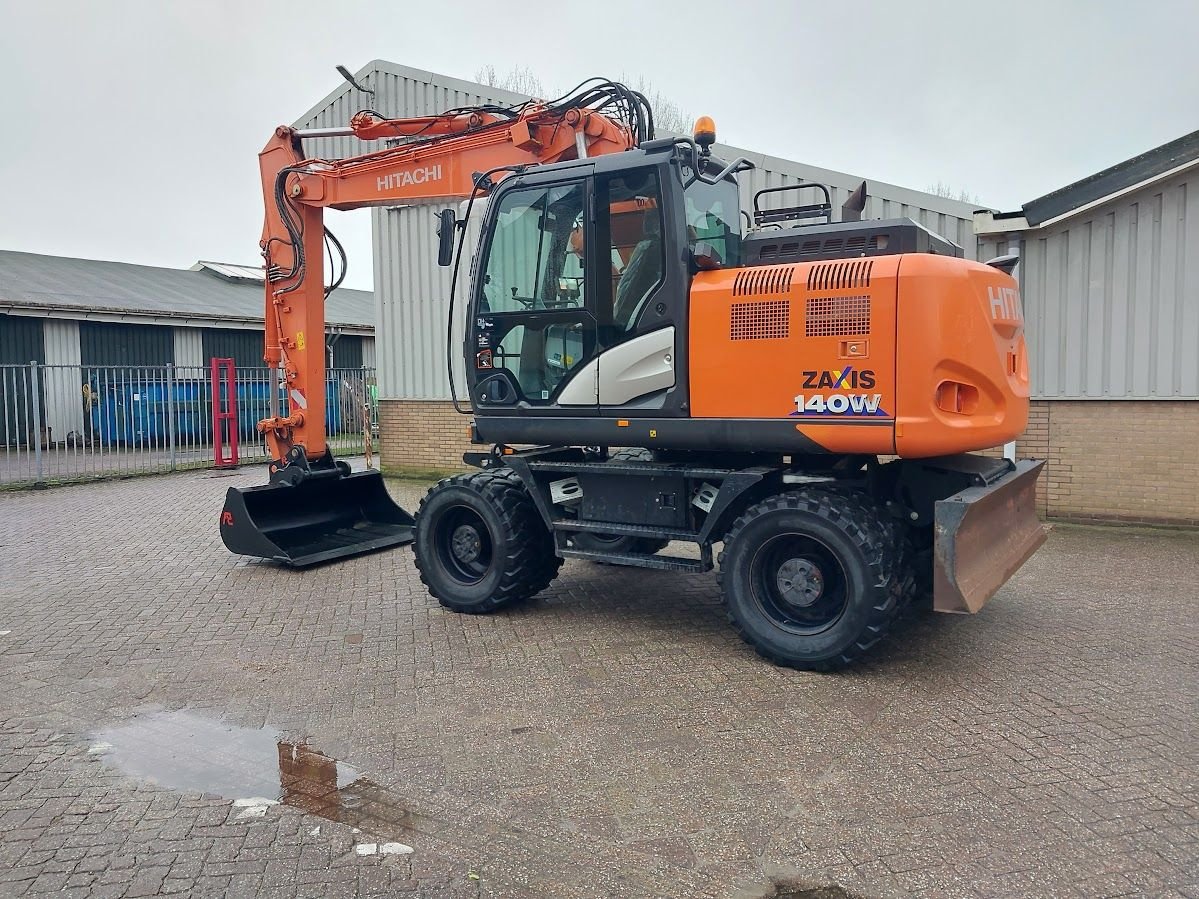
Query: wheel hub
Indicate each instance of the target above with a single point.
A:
(466, 543)
(800, 582)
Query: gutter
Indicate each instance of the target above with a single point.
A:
(139, 316)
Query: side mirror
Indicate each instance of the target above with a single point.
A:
(447, 222)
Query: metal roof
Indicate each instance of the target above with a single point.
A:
(212, 293)
(1130, 173)
(231, 271)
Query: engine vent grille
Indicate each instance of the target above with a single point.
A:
(837, 317)
(838, 275)
(763, 320)
(753, 281)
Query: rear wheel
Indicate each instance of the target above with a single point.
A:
(611, 543)
(810, 578)
(481, 544)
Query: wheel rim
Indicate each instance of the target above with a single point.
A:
(606, 539)
(798, 583)
(464, 544)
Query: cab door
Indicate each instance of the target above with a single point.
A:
(534, 325)
(637, 358)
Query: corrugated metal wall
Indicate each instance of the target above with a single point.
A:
(62, 341)
(244, 347)
(189, 347)
(104, 343)
(64, 406)
(1112, 298)
(346, 350)
(949, 218)
(411, 290)
(412, 299)
(21, 340)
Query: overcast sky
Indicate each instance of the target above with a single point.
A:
(132, 128)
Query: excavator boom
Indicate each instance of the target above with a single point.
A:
(314, 509)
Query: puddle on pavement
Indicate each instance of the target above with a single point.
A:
(188, 752)
(829, 891)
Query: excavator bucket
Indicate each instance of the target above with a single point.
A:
(317, 520)
(982, 536)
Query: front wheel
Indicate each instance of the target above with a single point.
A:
(809, 578)
(481, 544)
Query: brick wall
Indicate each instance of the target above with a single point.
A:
(1106, 461)
(1117, 461)
(1034, 444)
(422, 434)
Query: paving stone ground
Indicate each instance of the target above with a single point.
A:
(611, 738)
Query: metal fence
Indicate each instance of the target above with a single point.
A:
(62, 423)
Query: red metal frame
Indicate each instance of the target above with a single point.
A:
(224, 420)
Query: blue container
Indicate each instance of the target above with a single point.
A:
(148, 408)
(253, 405)
(332, 408)
(110, 419)
(129, 414)
(193, 411)
(137, 414)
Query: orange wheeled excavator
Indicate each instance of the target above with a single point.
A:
(649, 364)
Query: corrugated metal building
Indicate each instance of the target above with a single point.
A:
(60, 311)
(90, 312)
(1109, 276)
(412, 291)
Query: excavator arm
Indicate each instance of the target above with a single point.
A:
(438, 158)
(314, 510)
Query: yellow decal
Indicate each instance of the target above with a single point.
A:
(299, 340)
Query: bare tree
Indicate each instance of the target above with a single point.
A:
(519, 80)
(668, 115)
(941, 189)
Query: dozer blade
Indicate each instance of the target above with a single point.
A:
(983, 535)
(314, 521)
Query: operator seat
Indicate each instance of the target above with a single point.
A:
(640, 276)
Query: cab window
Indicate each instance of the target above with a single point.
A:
(637, 254)
(536, 255)
(533, 290)
(714, 215)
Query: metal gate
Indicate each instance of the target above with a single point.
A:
(62, 423)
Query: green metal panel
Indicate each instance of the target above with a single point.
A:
(347, 351)
(242, 345)
(21, 340)
(105, 343)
